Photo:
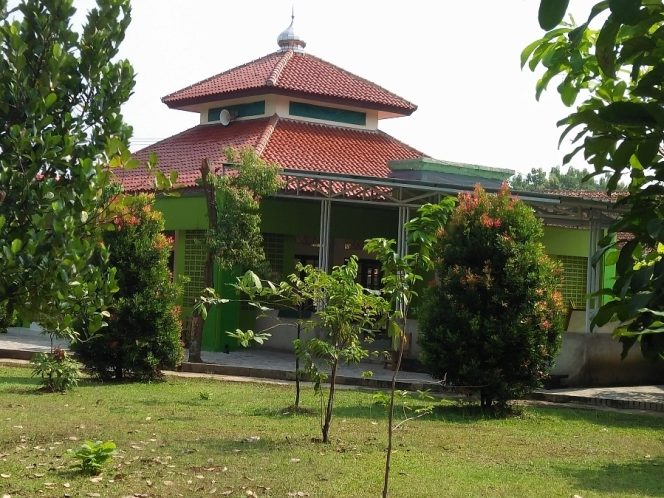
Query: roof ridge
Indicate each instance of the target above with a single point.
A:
(273, 79)
(406, 101)
(166, 97)
(266, 135)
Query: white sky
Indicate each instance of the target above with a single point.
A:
(457, 60)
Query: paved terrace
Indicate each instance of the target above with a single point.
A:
(22, 343)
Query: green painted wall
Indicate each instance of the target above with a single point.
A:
(184, 212)
(566, 241)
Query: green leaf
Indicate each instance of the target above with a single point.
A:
(627, 114)
(625, 11)
(84, 216)
(50, 100)
(2, 221)
(605, 49)
(551, 12)
(17, 244)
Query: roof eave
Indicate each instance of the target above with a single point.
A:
(181, 104)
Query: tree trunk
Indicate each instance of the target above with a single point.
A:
(297, 367)
(208, 275)
(390, 415)
(330, 403)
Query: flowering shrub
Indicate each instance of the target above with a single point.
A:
(143, 332)
(493, 319)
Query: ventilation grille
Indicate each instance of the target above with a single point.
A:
(194, 265)
(575, 277)
(273, 245)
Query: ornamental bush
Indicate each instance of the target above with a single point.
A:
(493, 319)
(143, 332)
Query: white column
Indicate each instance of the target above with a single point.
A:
(402, 242)
(593, 282)
(324, 238)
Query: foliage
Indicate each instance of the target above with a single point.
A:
(143, 332)
(400, 275)
(611, 69)
(234, 239)
(93, 455)
(58, 371)
(60, 128)
(494, 318)
(572, 179)
(346, 314)
(7, 317)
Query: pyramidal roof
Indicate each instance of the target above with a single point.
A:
(292, 73)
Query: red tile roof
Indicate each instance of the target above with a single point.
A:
(292, 144)
(295, 74)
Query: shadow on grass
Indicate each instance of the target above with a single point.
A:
(643, 478)
(286, 412)
(27, 380)
(604, 418)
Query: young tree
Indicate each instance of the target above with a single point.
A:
(143, 332)
(234, 237)
(60, 128)
(494, 319)
(400, 275)
(346, 312)
(610, 69)
(263, 295)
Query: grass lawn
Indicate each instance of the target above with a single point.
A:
(172, 442)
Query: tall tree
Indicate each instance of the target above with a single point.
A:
(60, 129)
(557, 179)
(611, 70)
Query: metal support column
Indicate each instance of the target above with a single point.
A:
(324, 239)
(402, 242)
(593, 282)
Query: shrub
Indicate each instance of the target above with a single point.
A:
(7, 317)
(143, 332)
(493, 319)
(58, 371)
(92, 455)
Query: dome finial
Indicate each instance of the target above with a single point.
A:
(288, 40)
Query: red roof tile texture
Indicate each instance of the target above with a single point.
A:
(291, 144)
(292, 73)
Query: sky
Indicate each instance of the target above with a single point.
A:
(457, 60)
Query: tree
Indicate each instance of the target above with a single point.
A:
(143, 332)
(400, 276)
(346, 313)
(556, 179)
(60, 128)
(264, 295)
(234, 239)
(493, 321)
(611, 70)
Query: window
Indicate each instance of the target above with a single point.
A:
(369, 274)
(327, 113)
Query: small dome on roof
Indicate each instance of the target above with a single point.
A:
(288, 39)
